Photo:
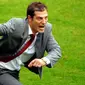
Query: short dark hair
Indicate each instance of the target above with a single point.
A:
(35, 6)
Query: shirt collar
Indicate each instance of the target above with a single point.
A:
(30, 31)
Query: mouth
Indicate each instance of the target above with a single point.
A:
(41, 26)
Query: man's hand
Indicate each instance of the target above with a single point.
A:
(37, 63)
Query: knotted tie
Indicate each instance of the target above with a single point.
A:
(10, 57)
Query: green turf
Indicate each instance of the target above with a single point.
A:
(68, 20)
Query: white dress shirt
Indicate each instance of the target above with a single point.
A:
(16, 63)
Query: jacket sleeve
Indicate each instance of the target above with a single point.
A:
(53, 50)
(7, 27)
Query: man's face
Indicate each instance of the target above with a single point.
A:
(39, 20)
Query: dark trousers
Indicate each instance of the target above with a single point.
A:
(8, 77)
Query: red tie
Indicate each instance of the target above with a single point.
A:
(28, 43)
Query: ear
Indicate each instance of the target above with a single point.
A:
(29, 18)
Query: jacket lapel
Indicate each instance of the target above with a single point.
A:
(38, 45)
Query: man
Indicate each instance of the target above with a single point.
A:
(16, 33)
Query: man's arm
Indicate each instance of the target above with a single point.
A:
(53, 50)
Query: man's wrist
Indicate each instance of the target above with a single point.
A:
(43, 61)
(46, 60)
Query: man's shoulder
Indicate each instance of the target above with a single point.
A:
(48, 26)
(17, 19)
(17, 22)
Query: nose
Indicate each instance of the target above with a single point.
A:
(44, 21)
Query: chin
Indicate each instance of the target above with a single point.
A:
(41, 31)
